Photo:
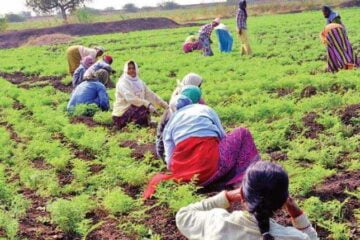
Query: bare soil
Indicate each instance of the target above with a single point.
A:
(308, 92)
(96, 168)
(27, 81)
(282, 92)
(49, 39)
(139, 150)
(313, 127)
(36, 223)
(162, 222)
(349, 114)
(65, 177)
(334, 186)
(17, 38)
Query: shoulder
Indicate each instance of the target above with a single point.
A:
(287, 232)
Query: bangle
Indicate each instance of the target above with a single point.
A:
(266, 233)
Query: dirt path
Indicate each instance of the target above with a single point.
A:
(17, 38)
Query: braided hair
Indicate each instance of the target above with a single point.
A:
(265, 189)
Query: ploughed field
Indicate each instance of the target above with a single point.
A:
(67, 177)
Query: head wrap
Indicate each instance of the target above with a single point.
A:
(87, 61)
(191, 92)
(192, 79)
(217, 20)
(183, 101)
(108, 59)
(99, 48)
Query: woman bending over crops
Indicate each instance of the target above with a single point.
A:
(191, 79)
(225, 38)
(197, 147)
(80, 71)
(134, 101)
(76, 53)
(205, 36)
(340, 54)
(91, 91)
(263, 191)
(104, 64)
(191, 44)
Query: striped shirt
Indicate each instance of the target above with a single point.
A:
(206, 30)
(241, 19)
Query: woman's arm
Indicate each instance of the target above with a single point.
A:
(191, 220)
(103, 98)
(130, 96)
(154, 99)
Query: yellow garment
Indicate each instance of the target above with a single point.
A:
(76, 53)
(74, 58)
(245, 47)
(208, 219)
(327, 29)
(128, 93)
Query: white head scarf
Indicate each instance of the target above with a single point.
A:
(191, 79)
(134, 81)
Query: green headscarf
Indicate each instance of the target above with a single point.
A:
(192, 92)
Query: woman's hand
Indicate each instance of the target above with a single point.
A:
(152, 109)
(292, 208)
(234, 195)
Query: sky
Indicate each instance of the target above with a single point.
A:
(16, 6)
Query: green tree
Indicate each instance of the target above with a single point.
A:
(130, 7)
(169, 5)
(48, 6)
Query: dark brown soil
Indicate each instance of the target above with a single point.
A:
(88, 121)
(109, 230)
(84, 154)
(132, 191)
(350, 112)
(313, 127)
(162, 223)
(278, 156)
(292, 132)
(334, 186)
(282, 92)
(17, 38)
(36, 223)
(139, 150)
(13, 135)
(25, 81)
(96, 168)
(307, 92)
(18, 105)
(65, 177)
(39, 163)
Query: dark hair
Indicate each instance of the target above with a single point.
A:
(131, 63)
(266, 189)
(326, 8)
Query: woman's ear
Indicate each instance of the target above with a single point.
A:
(242, 194)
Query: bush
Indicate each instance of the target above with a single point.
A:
(130, 7)
(116, 201)
(70, 214)
(169, 5)
(84, 15)
(85, 110)
(3, 24)
(14, 18)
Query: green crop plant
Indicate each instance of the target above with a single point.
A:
(117, 202)
(85, 110)
(103, 118)
(70, 214)
(177, 196)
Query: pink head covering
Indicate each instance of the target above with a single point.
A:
(217, 20)
(87, 61)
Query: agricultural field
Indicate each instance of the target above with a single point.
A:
(64, 177)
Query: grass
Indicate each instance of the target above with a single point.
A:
(243, 90)
(192, 14)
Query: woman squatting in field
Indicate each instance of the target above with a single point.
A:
(134, 101)
(196, 146)
(263, 191)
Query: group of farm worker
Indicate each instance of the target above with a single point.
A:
(202, 41)
(195, 147)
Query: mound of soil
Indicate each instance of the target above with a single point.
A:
(139, 150)
(17, 38)
(334, 186)
(282, 92)
(314, 128)
(49, 39)
(309, 91)
(25, 81)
